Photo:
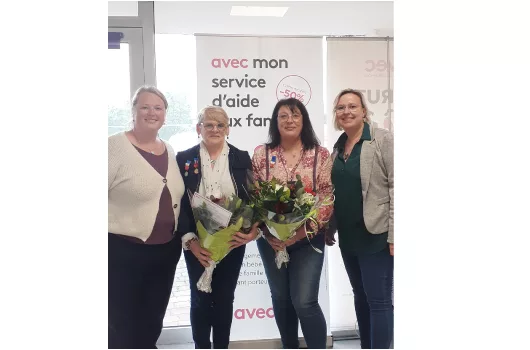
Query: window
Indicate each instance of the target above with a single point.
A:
(125, 75)
(119, 89)
(176, 78)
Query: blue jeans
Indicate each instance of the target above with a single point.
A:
(213, 311)
(371, 277)
(294, 291)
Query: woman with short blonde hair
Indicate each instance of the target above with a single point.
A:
(363, 178)
(215, 169)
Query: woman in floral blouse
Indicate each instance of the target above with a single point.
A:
(294, 150)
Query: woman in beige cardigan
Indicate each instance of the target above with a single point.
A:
(145, 188)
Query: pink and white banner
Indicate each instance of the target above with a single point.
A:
(247, 76)
(367, 65)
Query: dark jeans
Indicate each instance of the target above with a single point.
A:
(371, 278)
(294, 291)
(140, 281)
(213, 311)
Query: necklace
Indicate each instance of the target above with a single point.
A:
(150, 150)
(347, 155)
(284, 164)
(355, 141)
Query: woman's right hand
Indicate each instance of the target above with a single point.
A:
(330, 239)
(275, 243)
(200, 253)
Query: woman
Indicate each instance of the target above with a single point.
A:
(214, 168)
(145, 189)
(363, 177)
(294, 149)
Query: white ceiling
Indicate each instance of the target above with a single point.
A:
(123, 8)
(311, 18)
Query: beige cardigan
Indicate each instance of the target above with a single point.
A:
(135, 188)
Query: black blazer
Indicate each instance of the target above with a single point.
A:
(239, 163)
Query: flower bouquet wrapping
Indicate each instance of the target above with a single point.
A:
(284, 208)
(217, 220)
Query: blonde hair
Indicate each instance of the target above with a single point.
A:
(151, 89)
(363, 105)
(213, 112)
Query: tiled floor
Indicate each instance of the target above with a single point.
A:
(341, 344)
(347, 344)
(352, 344)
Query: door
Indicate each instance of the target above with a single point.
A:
(125, 75)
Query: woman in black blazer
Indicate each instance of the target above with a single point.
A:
(213, 168)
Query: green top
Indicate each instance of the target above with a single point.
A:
(346, 177)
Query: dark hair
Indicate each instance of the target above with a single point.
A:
(308, 136)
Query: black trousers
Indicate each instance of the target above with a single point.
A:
(213, 311)
(140, 282)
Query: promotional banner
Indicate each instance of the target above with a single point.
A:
(253, 312)
(247, 76)
(367, 65)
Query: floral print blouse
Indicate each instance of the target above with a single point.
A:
(304, 169)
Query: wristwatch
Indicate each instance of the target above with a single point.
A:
(188, 243)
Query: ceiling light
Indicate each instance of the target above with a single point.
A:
(260, 11)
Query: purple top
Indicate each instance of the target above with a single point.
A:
(164, 226)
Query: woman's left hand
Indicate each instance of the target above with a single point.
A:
(300, 234)
(391, 246)
(240, 238)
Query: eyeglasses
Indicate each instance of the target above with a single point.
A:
(149, 108)
(211, 126)
(341, 109)
(285, 117)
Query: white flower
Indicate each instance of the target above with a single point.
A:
(307, 198)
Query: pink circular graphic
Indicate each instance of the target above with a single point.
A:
(294, 86)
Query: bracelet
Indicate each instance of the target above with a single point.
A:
(309, 224)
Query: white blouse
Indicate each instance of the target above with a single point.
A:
(216, 181)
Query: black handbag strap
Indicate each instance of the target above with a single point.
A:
(315, 170)
(267, 161)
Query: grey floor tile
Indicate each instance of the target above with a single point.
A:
(347, 344)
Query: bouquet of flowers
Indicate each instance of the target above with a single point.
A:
(217, 220)
(284, 208)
